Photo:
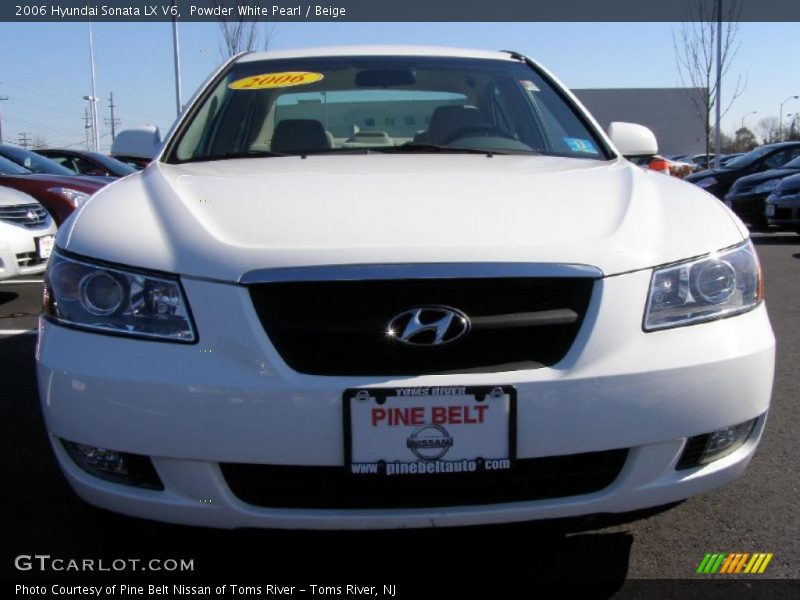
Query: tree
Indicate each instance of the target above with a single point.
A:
(768, 130)
(727, 143)
(695, 51)
(793, 133)
(239, 34)
(744, 140)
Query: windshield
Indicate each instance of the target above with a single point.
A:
(745, 160)
(34, 162)
(8, 167)
(383, 104)
(112, 165)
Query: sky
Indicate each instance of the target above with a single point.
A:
(45, 68)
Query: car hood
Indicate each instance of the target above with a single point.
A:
(751, 180)
(790, 183)
(222, 219)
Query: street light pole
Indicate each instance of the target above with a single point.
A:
(718, 100)
(177, 57)
(2, 99)
(94, 146)
(93, 97)
(780, 116)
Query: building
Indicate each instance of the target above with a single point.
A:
(669, 112)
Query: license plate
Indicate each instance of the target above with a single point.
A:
(429, 430)
(770, 210)
(44, 245)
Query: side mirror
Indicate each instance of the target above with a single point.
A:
(632, 140)
(140, 142)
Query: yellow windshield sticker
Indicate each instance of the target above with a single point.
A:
(275, 80)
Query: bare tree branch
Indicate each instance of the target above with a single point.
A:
(239, 34)
(695, 51)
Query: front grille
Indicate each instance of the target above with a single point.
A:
(340, 327)
(29, 215)
(29, 259)
(782, 213)
(333, 487)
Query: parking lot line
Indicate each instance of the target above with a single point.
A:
(10, 332)
(15, 281)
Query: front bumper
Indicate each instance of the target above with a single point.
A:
(231, 399)
(19, 252)
(786, 211)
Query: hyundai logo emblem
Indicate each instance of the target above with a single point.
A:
(428, 326)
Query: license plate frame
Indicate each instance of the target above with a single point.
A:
(45, 245)
(501, 398)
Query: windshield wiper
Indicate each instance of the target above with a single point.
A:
(412, 147)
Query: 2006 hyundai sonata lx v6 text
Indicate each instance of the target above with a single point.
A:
(377, 287)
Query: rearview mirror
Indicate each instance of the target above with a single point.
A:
(385, 77)
(632, 140)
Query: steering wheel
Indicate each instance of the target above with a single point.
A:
(469, 130)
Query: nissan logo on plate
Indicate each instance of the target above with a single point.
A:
(428, 326)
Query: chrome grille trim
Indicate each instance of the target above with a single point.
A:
(418, 271)
(29, 215)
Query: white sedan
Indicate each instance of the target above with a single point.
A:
(27, 234)
(488, 315)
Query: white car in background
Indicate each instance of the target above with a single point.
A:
(488, 315)
(27, 234)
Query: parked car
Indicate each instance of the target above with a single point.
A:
(701, 161)
(664, 165)
(27, 234)
(724, 160)
(763, 158)
(132, 161)
(37, 163)
(783, 204)
(506, 321)
(748, 194)
(83, 162)
(60, 195)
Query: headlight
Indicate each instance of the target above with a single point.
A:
(706, 182)
(74, 197)
(767, 186)
(112, 300)
(719, 285)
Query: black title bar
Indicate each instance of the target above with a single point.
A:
(399, 10)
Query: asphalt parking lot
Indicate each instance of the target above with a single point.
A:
(758, 513)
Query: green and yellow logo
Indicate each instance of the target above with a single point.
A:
(734, 562)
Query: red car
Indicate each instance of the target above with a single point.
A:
(59, 194)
